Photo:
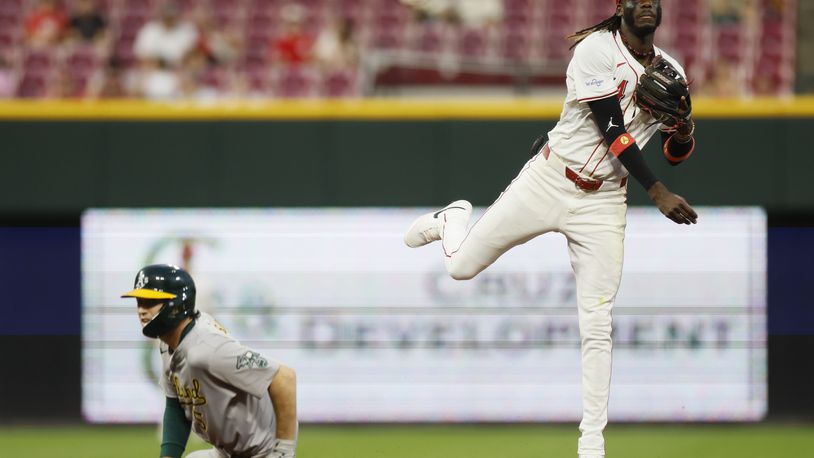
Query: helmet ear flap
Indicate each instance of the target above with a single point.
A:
(172, 285)
(159, 324)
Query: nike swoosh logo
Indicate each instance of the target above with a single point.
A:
(442, 211)
(619, 65)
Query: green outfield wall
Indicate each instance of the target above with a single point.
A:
(66, 166)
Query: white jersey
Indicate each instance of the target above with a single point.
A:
(601, 67)
(223, 389)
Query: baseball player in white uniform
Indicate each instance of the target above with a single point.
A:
(230, 395)
(576, 184)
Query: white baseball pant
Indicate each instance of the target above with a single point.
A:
(540, 200)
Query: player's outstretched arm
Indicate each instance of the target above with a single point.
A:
(283, 392)
(175, 430)
(624, 147)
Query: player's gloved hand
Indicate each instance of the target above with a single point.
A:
(664, 93)
(537, 145)
(283, 448)
(672, 205)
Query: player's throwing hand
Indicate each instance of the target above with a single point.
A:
(672, 205)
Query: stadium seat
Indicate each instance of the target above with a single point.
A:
(473, 42)
(516, 46)
(37, 61)
(83, 61)
(32, 86)
(294, 82)
(340, 83)
(429, 38)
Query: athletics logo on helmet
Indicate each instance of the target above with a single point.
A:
(171, 284)
(141, 280)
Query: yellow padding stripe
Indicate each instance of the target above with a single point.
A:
(364, 109)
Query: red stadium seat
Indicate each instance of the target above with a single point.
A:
(83, 61)
(294, 82)
(139, 7)
(123, 51)
(518, 23)
(37, 61)
(473, 42)
(33, 86)
(516, 46)
(429, 38)
(388, 38)
(515, 6)
(340, 83)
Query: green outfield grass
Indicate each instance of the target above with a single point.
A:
(453, 441)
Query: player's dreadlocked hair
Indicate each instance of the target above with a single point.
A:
(611, 24)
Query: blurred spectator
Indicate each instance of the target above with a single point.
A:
(219, 45)
(87, 23)
(474, 13)
(110, 83)
(336, 45)
(725, 11)
(167, 39)
(732, 12)
(294, 45)
(725, 79)
(193, 83)
(66, 86)
(775, 10)
(432, 9)
(155, 81)
(8, 79)
(45, 24)
(769, 84)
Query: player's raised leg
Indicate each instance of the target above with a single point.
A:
(427, 227)
(523, 211)
(595, 244)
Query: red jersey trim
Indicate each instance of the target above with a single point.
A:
(599, 97)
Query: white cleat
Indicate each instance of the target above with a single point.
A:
(427, 227)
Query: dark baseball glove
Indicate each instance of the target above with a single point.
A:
(664, 93)
(537, 145)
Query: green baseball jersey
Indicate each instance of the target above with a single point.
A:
(223, 388)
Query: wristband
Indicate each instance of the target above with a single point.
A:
(622, 143)
(677, 159)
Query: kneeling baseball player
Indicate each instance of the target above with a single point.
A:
(235, 399)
